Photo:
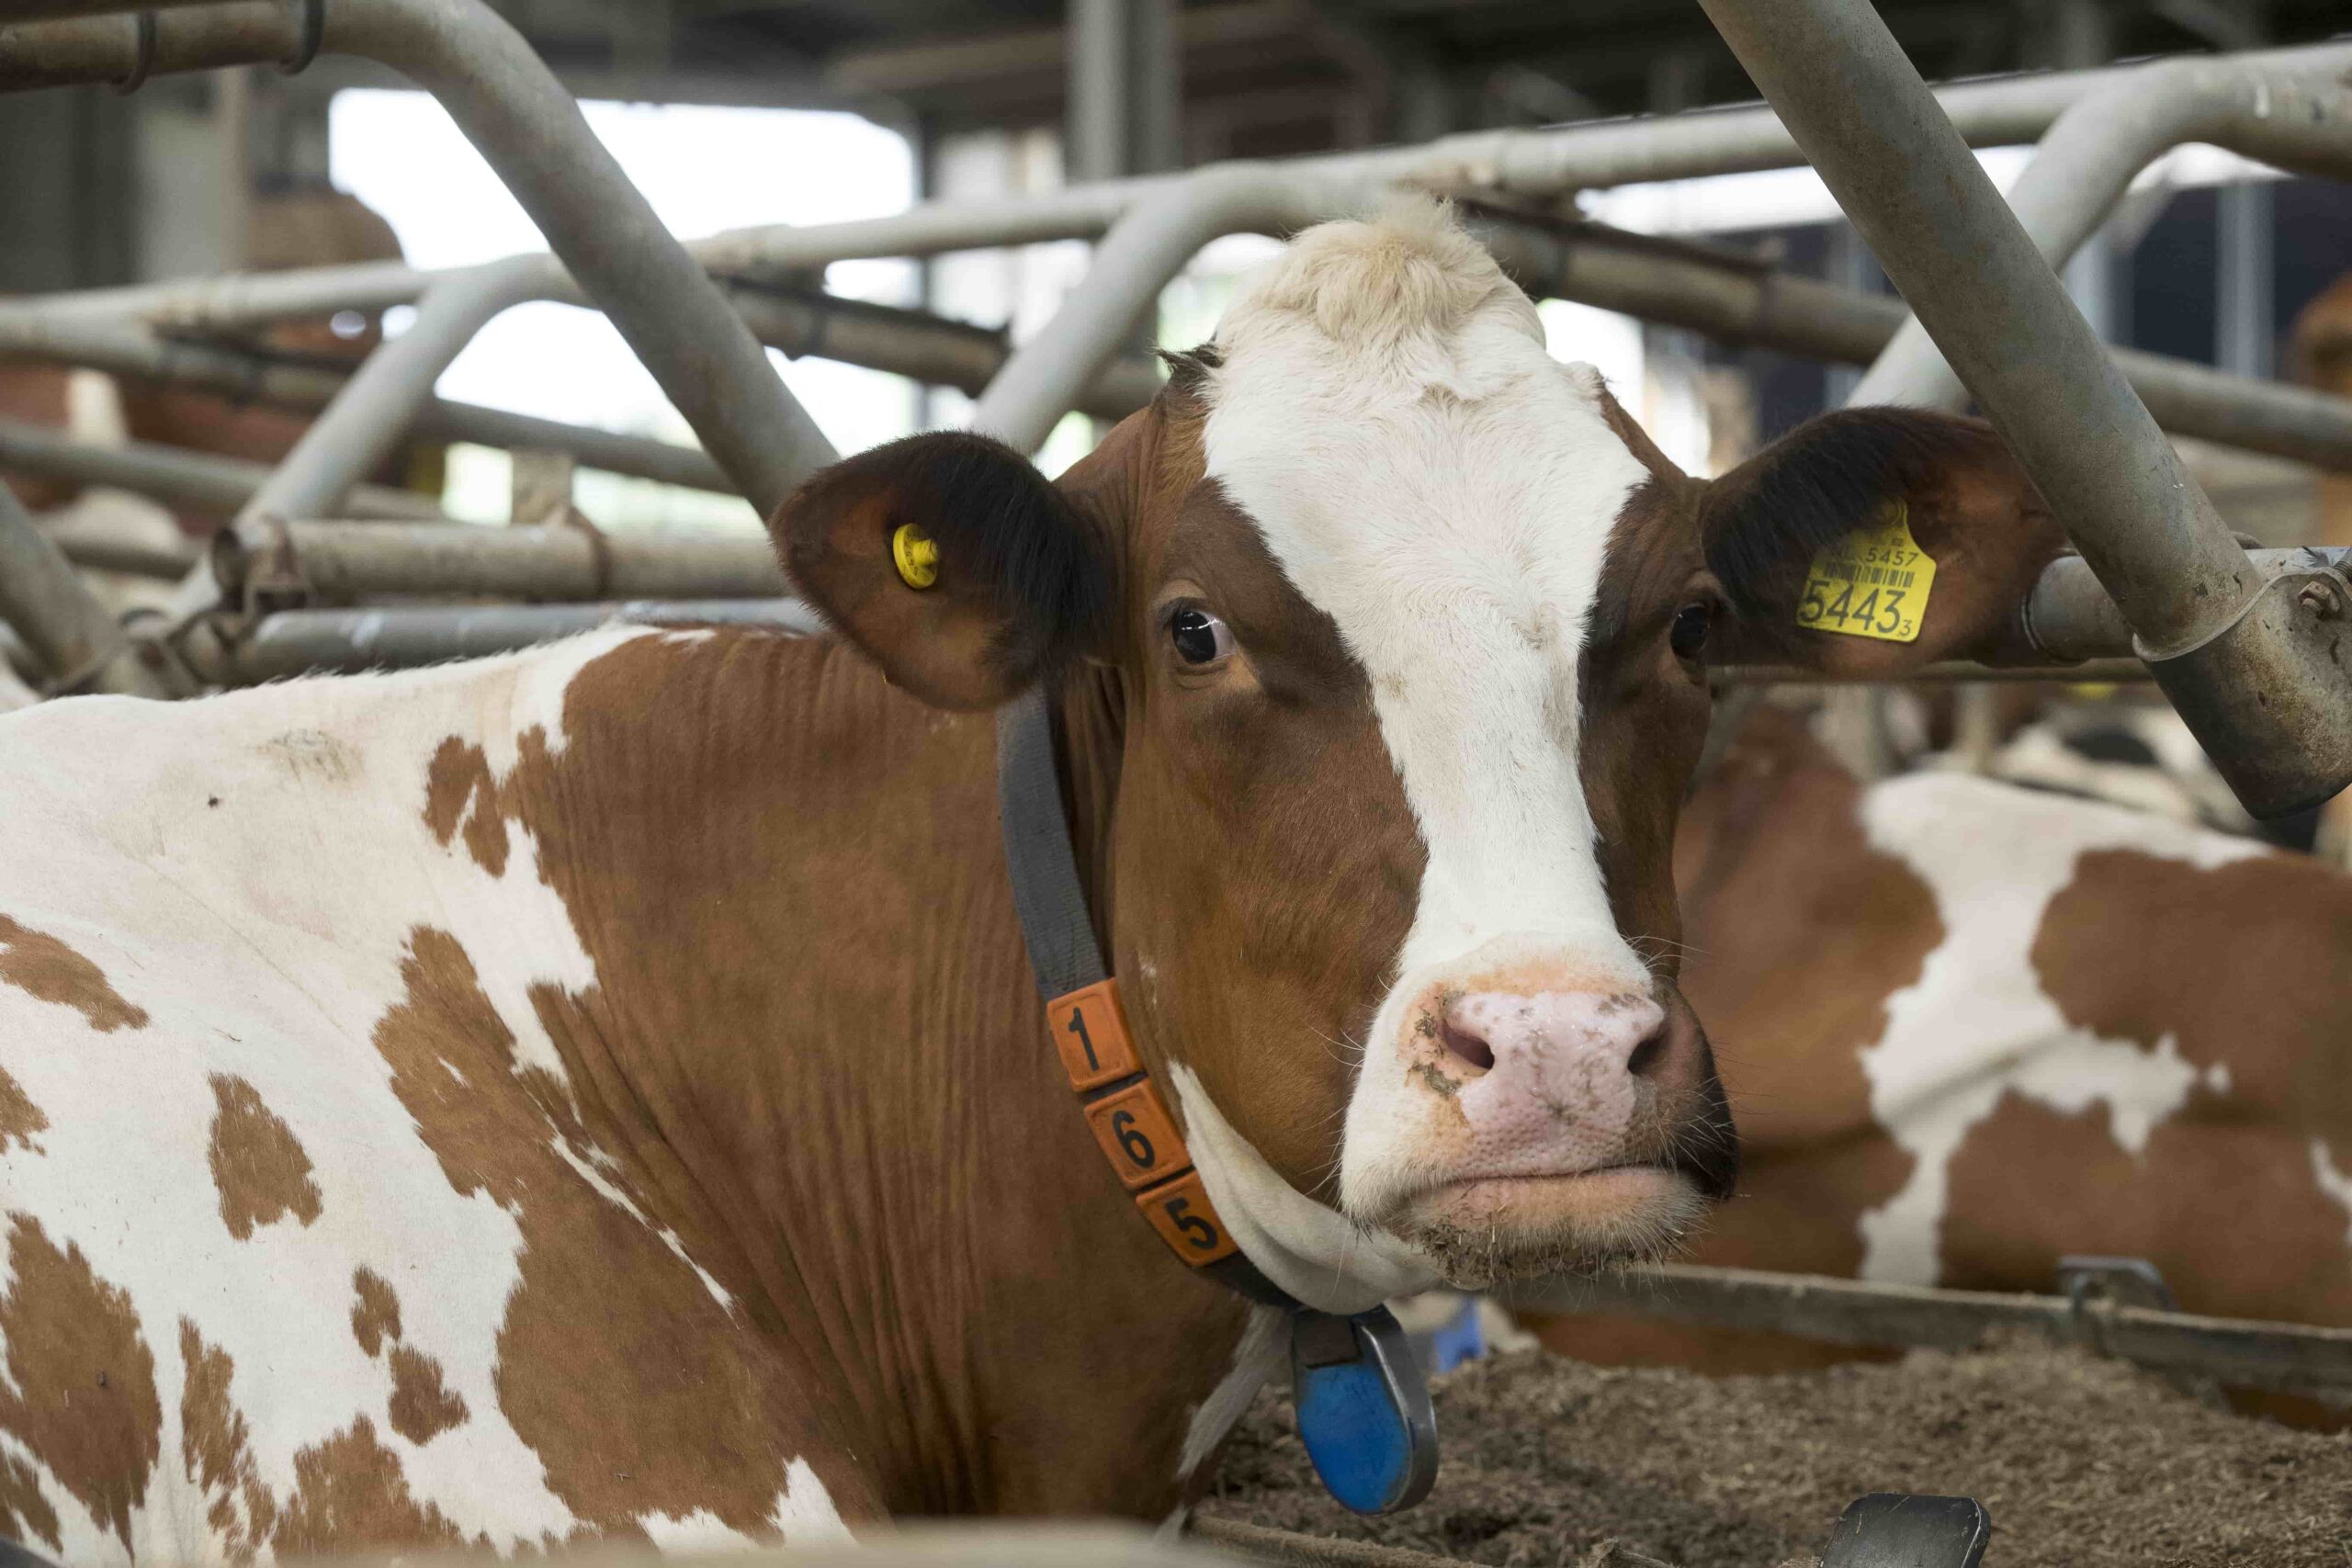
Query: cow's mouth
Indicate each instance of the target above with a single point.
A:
(1480, 1229)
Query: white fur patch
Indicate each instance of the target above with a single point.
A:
(1976, 1024)
(1316, 1253)
(2335, 1183)
(1431, 479)
(247, 870)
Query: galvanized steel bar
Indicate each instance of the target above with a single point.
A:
(2298, 118)
(129, 352)
(1738, 300)
(77, 643)
(302, 642)
(198, 481)
(1135, 262)
(335, 563)
(368, 417)
(2287, 1356)
(515, 113)
(2268, 694)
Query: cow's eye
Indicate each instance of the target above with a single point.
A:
(1688, 636)
(1200, 637)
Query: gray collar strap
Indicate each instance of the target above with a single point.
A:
(1363, 1405)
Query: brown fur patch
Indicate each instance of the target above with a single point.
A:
(349, 1494)
(376, 1315)
(24, 1511)
(2243, 967)
(80, 1390)
(257, 1163)
(44, 967)
(19, 1117)
(616, 1365)
(216, 1451)
(421, 1407)
(459, 777)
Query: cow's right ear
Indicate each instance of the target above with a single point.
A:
(950, 561)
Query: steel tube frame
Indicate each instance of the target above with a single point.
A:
(2298, 118)
(177, 478)
(297, 642)
(344, 561)
(2251, 671)
(64, 627)
(663, 304)
(519, 117)
(1737, 300)
(1147, 249)
(368, 418)
(2245, 1352)
(129, 352)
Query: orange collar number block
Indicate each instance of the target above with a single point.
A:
(1136, 1134)
(1180, 1211)
(1091, 1034)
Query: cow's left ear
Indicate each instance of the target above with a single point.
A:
(950, 561)
(1817, 539)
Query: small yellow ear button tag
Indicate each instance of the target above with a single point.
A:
(1872, 583)
(916, 554)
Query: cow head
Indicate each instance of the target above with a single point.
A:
(1400, 630)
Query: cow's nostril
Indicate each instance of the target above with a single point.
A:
(1469, 1047)
(1647, 1054)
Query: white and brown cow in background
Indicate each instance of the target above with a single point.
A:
(1967, 1029)
(601, 1092)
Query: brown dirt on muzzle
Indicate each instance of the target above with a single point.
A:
(2080, 1463)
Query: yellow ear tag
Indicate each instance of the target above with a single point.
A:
(1872, 583)
(916, 555)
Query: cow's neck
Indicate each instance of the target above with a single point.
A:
(818, 1036)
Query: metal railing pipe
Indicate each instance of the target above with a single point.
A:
(373, 410)
(129, 352)
(519, 117)
(2253, 672)
(2296, 119)
(197, 481)
(1736, 299)
(305, 642)
(343, 561)
(514, 112)
(368, 417)
(1150, 246)
(65, 629)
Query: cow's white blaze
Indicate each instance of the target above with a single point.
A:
(1976, 1025)
(248, 871)
(1430, 479)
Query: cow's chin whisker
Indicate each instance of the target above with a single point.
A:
(1481, 1232)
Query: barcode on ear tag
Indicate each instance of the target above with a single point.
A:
(1872, 583)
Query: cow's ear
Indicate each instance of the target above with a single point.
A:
(1812, 538)
(950, 561)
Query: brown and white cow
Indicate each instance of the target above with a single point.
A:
(602, 1090)
(1969, 1029)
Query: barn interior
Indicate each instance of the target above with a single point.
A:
(172, 524)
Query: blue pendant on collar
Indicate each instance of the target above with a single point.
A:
(1363, 1409)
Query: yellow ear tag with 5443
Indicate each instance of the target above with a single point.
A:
(1872, 583)
(916, 555)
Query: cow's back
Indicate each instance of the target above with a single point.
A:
(314, 1237)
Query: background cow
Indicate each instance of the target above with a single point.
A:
(602, 1090)
(1967, 1029)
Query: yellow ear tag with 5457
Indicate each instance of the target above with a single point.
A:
(916, 555)
(1872, 583)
